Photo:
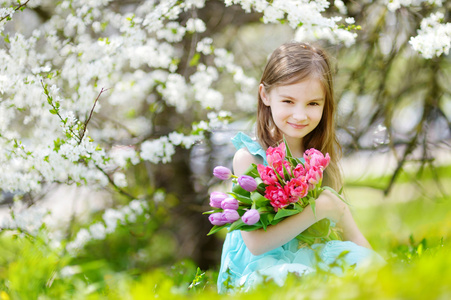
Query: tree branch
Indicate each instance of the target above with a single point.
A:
(20, 6)
(90, 115)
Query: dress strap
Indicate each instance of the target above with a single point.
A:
(241, 140)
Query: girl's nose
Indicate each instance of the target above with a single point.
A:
(299, 115)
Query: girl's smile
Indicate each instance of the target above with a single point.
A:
(296, 108)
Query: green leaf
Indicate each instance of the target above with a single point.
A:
(320, 229)
(288, 151)
(342, 254)
(264, 220)
(251, 227)
(237, 225)
(335, 193)
(53, 111)
(243, 199)
(281, 181)
(298, 207)
(261, 188)
(274, 222)
(282, 213)
(286, 175)
(216, 228)
(212, 211)
(313, 205)
(195, 60)
(252, 171)
(259, 200)
(268, 209)
(198, 279)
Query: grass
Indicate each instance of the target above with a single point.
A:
(412, 233)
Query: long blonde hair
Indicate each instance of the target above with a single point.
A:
(294, 62)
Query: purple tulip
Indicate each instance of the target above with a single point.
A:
(229, 203)
(222, 173)
(217, 219)
(251, 217)
(248, 183)
(216, 198)
(230, 215)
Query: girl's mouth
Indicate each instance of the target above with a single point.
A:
(297, 126)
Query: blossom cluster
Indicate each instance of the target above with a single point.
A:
(23, 218)
(434, 37)
(305, 16)
(287, 183)
(110, 220)
(393, 5)
(50, 90)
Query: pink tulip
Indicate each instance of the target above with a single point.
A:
(275, 155)
(277, 196)
(230, 215)
(279, 168)
(267, 174)
(230, 203)
(313, 176)
(314, 157)
(217, 219)
(251, 217)
(222, 173)
(216, 199)
(247, 182)
(299, 171)
(296, 188)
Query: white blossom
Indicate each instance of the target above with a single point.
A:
(28, 219)
(98, 231)
(172, 32)
(434, 37)
(159, 196)
(174, 92)
(158, 150)
(246, 101)
(175, 138)
(122, 154)
(350, 20)
(189, 4)
(339, 4)
(195, 25)
(83, 236)
(204, 46)
(111, 217)
(300, 14)
(119, 179)
(393, 5)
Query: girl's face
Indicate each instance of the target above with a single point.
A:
(296, 108)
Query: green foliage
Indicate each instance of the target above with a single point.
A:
(137, 262)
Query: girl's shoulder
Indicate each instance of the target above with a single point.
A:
(241, 140)
(248, 152)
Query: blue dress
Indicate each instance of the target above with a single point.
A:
(241, 269)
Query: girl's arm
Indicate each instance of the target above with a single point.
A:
(327, 206)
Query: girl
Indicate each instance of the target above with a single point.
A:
(295, 100)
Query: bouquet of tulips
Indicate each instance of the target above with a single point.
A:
(265, 195)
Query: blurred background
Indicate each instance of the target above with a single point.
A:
(393, 119)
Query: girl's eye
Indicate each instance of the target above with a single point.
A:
(314, 103)
(287, 101)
